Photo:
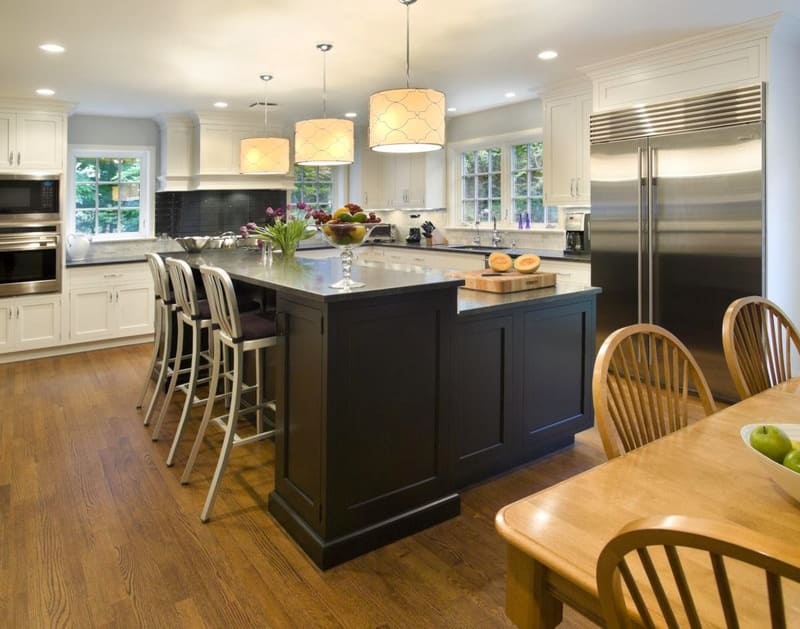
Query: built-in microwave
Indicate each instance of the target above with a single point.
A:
(29, 198)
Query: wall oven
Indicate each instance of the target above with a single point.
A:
(30, 258)
(29, 197)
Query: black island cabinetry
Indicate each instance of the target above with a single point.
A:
(393, 397)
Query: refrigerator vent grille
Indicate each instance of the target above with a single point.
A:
(722, 109)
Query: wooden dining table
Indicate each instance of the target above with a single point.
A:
(555, 536)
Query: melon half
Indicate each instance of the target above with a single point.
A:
(500, 262)
(527, 263)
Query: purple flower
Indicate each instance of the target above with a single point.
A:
(269, 211)
(251, 225)
(302, 206)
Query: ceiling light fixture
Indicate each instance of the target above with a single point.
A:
(324, 141)
(409, 120)
(547, 55)
(350, 114)
(45, 91)
(52, 48)
(509, 94)
(451, 109)
(220, 104)
(264, 156)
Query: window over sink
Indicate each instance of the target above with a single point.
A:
(500, 178)
(314, 187)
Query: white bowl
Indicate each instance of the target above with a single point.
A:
(787, 479)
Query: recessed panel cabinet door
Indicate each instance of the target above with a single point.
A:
(39, 322)
(40, 141)
(134, 309)
(91, 313)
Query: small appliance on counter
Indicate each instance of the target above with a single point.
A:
(382, 232)
(414, 232)
(577, 225)
(427, 230)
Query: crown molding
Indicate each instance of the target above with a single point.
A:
(38, 104)
(686, 48)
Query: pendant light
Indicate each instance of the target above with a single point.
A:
(409, 120)
(324, 141)
(264, 156)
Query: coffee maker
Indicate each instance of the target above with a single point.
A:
(414, 232)
(578, 232)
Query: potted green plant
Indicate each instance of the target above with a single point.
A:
(282, 230)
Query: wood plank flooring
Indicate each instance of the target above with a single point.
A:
(96, 531)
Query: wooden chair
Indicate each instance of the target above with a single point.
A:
(671, 585)
(641, 385)
(758, 339)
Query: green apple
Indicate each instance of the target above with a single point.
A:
(771, 441)
(792, 460)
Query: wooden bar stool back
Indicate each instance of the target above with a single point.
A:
(678, 571)
(759, 341)
(641, 387)
(239, 333)
(161, 358)
(193, 313)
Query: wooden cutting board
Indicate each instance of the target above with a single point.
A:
(509, 282)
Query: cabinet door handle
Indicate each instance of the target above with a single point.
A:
(578, 187)
(111, 275)
(18, 309)
(19, 157)
(110, 297)
(11, 158)
(117, 297)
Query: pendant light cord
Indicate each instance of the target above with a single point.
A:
(324, 83)
(408, 46)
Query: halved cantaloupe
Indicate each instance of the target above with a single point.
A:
(500, 262)
(527, 263)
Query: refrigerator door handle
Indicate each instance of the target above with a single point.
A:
(639, 253)
(651, 165)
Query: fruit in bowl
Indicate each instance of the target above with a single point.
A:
(341, 234)
(777, 447)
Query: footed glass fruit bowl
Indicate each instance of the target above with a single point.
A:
(346, 236)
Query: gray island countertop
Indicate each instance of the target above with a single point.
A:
(312, 278)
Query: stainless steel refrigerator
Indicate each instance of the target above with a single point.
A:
(678, 218)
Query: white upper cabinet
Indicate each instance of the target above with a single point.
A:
(566, 149)
(32, 141)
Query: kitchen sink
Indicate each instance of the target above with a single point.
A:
(481, 248)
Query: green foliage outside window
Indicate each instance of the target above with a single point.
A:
(313, 186)
(107, 195)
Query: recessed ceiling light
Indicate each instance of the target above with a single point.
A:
(510, 94)
(451, 109)
(220, 104)
(546, 55)
(45, 91)
(54, 48)
(350, 114)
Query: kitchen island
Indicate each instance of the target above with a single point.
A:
(394, 396)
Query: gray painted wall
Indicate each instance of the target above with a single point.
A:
(528, 114)
(113, 131)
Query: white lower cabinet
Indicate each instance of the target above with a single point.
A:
(426, 260)
(30, 322)
(575, 272)
(110, 302)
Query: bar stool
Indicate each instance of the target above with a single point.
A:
(240, 333)
(163, 328)
(195, 314)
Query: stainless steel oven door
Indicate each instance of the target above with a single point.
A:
(30, 259)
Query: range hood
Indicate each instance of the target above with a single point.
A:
(200, 151)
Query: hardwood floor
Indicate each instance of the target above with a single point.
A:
(96, 531)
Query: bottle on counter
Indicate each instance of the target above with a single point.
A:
(527, 220)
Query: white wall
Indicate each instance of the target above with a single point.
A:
(528, 114)
(783, 167)
(113, 131)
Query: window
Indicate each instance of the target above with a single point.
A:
(500, 178)
(313, 186)
(481, 190)
(110, 192)
(526, 177)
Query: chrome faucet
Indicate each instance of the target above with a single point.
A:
(476, 240)
(497, 237)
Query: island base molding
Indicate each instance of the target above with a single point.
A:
(329, 553)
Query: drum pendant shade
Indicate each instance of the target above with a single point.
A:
(264, 156)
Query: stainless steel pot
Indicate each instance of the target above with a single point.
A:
(193, 244)
(226, 240)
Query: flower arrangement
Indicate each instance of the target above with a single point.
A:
(284, 229)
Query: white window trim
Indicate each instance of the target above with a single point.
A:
(147, 193)
(503, 141)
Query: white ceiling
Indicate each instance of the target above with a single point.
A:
(148, 57)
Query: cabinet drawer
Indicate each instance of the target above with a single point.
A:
(107, 274)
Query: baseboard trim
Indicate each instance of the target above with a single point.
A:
(73, 348)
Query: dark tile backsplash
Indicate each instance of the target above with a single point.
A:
(211, 212)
